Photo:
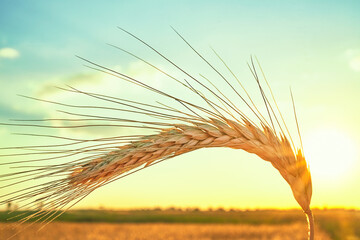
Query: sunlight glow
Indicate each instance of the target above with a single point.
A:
(330, 152)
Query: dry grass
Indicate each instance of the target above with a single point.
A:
(159, 231)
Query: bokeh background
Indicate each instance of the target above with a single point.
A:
(311, 46)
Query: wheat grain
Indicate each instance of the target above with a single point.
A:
(219, 124)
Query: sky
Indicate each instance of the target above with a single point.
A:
(311, 46)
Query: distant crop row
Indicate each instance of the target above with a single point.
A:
(159, 231)
(339, 224)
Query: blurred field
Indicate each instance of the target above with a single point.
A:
(190, 224)
(161, 231)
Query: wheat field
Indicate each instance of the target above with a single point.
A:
(160, 231)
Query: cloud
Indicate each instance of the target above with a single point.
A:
(355, 63)
(10, 53)
(76, 80)
(95, 82)
(353, 56)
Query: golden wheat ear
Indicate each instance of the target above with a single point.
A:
(68, 171)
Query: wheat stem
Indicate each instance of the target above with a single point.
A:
(311, 225)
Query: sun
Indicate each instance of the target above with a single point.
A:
(331, 153)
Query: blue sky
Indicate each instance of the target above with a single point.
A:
(312, 46)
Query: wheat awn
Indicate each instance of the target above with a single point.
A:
(216, 123)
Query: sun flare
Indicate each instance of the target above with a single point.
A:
(331, 153)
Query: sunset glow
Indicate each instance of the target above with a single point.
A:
(311, 46)
(331, 153)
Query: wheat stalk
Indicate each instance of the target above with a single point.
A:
(219, 124)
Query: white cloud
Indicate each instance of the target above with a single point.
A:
(9, 53)
(76, 80)
(353, 56)
(355, 63)
(94, 82)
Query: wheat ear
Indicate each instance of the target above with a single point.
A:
(217, 123)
